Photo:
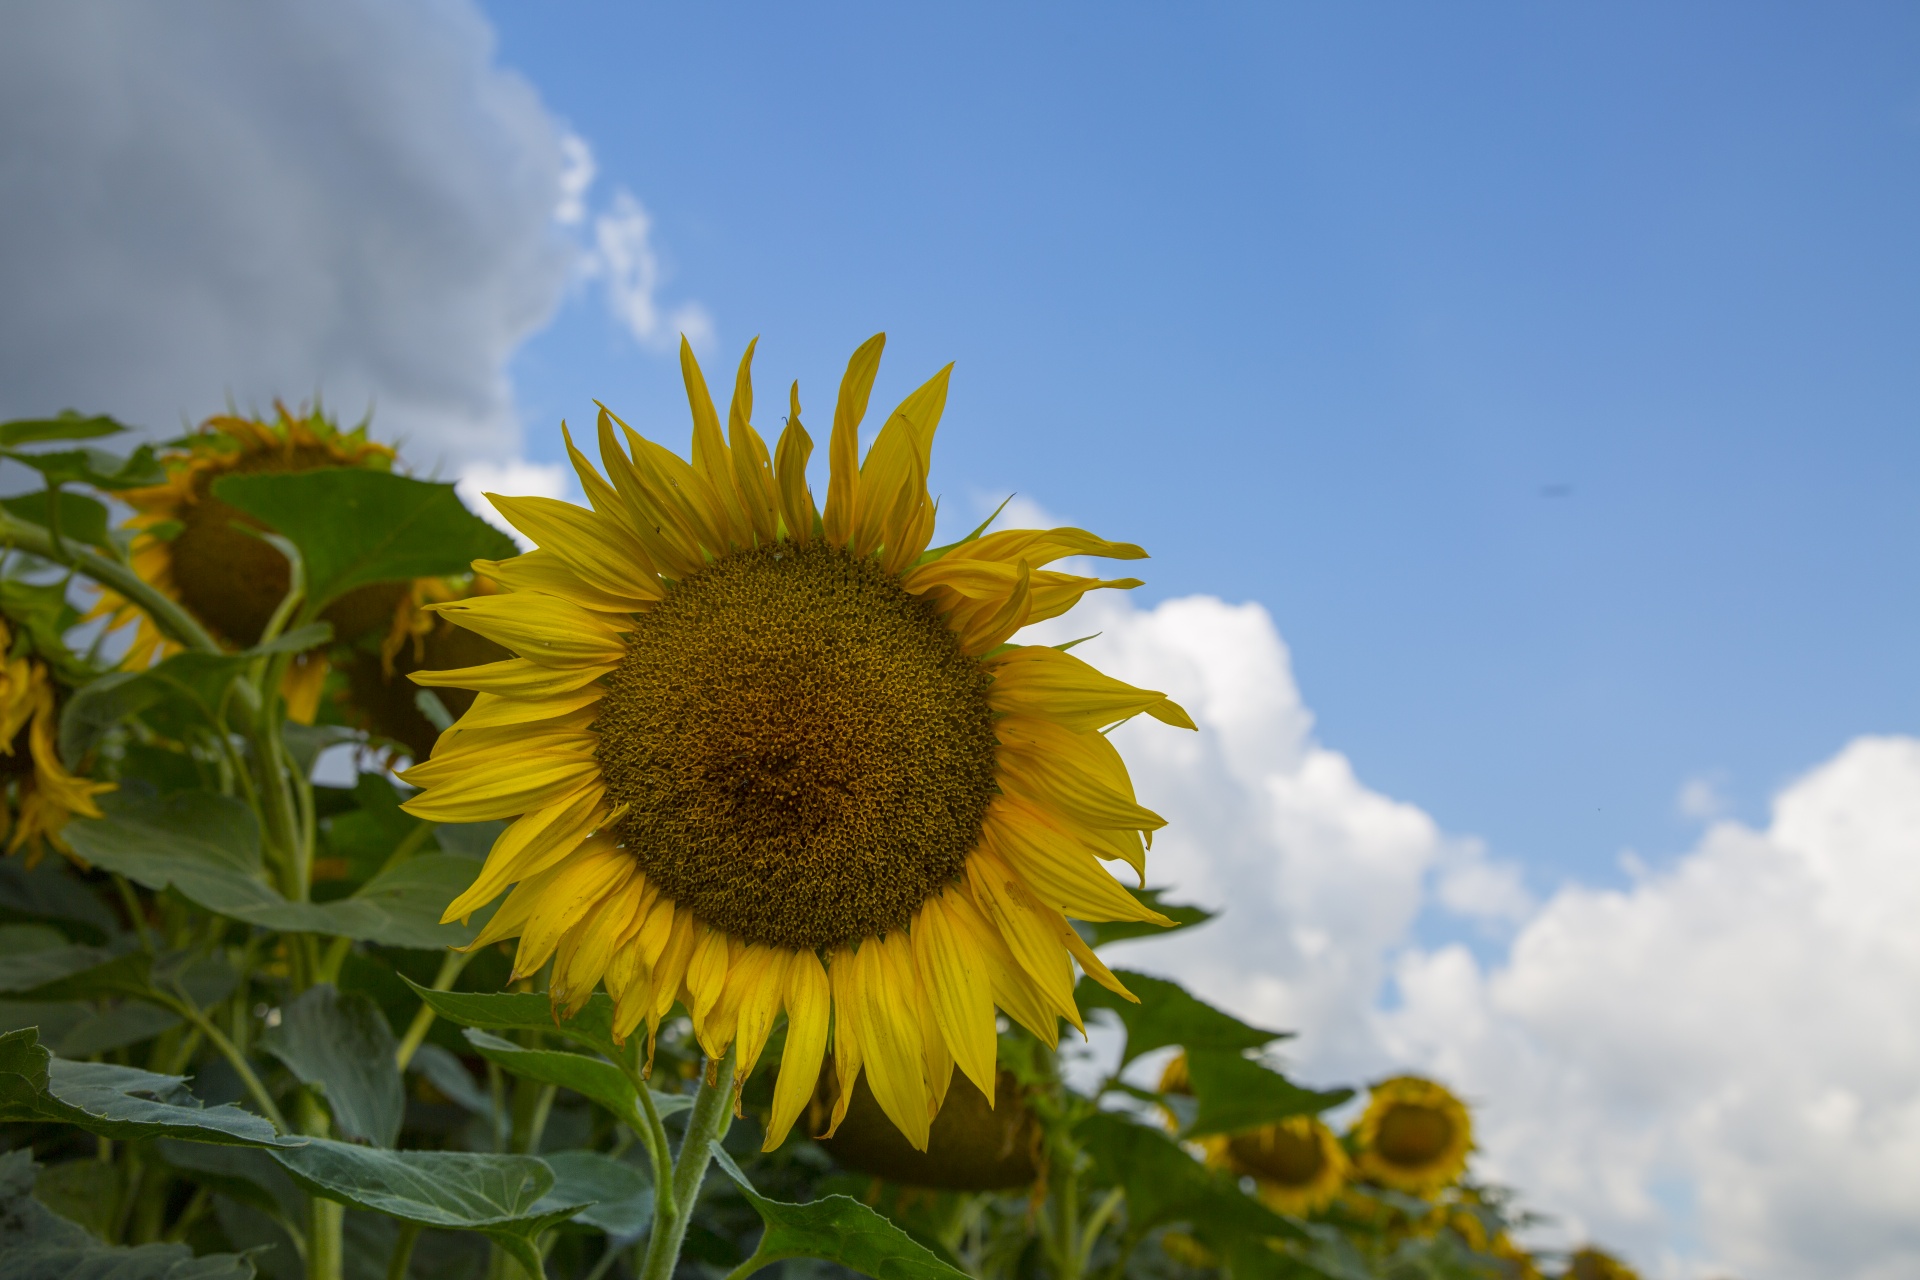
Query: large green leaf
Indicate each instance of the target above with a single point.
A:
(1235, 1094)
(247, 1174)
(355, 527)
(75, 1030)
(621, 1193)
(503, 1196)
(38, 1244)
(1100, 933)
(95, 467)
(1164, 1184)
(836, 1229)
(66, 425)
(342, 1045)
(207, 847)
(81, 518)
(34, 956)
(1167, 1015)
(54, 891)
(114, 1101)
(591, 1078)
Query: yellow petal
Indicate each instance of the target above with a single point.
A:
(1039, 681)
(1043, 546)
(797, 512)
(601, 552)
(546, 573)
(706, 983)
(711, 459)
(959, 990)
(891, 1049)
(843, 972)
(503, 789)
(595, 871)
(673, 549)
(1095, 968)
(756, 986)
(809, 999)
(752, 468)
(514, 678)
(843, 448)
(1056, 866)
(532, 844)
(544, 628)
(1016, 916)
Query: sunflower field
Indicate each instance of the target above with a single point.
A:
(722, 884)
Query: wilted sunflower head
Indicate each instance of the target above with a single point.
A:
(1297, 1164)
(1415, 1136)
(1597, 1264)
(764, 756)
(974, 1144)
(38, 796)
(186, 542)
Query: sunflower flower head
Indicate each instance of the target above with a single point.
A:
(196, 548)
(1414, 1136)
(765, 756)
(378, 695)
(1297, 1164)
(1597, 1264)
(38, 795)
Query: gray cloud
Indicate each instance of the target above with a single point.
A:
(210, 199)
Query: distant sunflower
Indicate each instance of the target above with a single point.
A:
(186, 545)
(1297, 1164)
(1597, 1264)
(41, 796)
(1414, 1137)
(766, 758)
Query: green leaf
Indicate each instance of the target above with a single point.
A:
(115, 1102)
(53, 891)
(96, 467)
(246, 1174)
(591, 1078)
(449, 1075)
(1100, 933)
(355, 527)
(836, 1229)
(1164, 1184)
(343, 1045)
(81, 518)
(1235, 1094)
(65, 425)
(525, 1011)
(38, 1244)
(621, 1194)
(504, 1197)
(37, 963)
(75, 1030)
(207, 847)
(1167, 1015)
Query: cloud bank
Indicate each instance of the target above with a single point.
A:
(1716, 1069)
(210, 200)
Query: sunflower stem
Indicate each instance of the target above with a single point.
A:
(170, 617)
(707, 1124)
(423, 1018)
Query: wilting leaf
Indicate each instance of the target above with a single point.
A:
(591, 1078)
(81, 518)
(621, 1194)
(1100, 933)
(502, 1196)
(355, 527)
(1167, 1015)
(836, 1229)
(1235, 1094)
(342, 1044)
(115, 1102)
(208, 848)
(38, 1244)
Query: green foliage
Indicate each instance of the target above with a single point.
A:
(1236, 1094)
(1166, 1015)
(341, 1045)
(38, 1244)
(354, 527)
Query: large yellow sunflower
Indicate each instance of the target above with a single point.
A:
(185, 542)
(43, 795)
(378, 694)
(1415, 1136)
(768, 758)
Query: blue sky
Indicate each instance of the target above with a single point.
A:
(1548, 371)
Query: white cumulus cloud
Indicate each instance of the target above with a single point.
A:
(1716, 1069)
(517, 478)
(627, 266)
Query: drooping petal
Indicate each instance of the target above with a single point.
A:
(514, 678)
(1040, 681)
(535, 842)
(809, 999)
(891, 1050)
(959, 991)
(546, 629)
(547, 573)
(1057, 866)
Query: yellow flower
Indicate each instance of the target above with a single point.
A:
(43, 794)
(766, 758)
(1414, 1137)
(185, 543)
(1297, 1164)
(1597, 1264)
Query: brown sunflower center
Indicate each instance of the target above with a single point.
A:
(1280, 1155)
(803, 752)
(1413, 1135)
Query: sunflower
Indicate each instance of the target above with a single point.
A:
(43, 795)
(1597, 1264)
(1297, 1164)
(186, 545)
(1414, 1136)
(763, 757)
(974, 1144)
(378, 695)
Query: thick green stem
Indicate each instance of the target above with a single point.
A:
(707, 1124)
(173, 620)
(326, 1219)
